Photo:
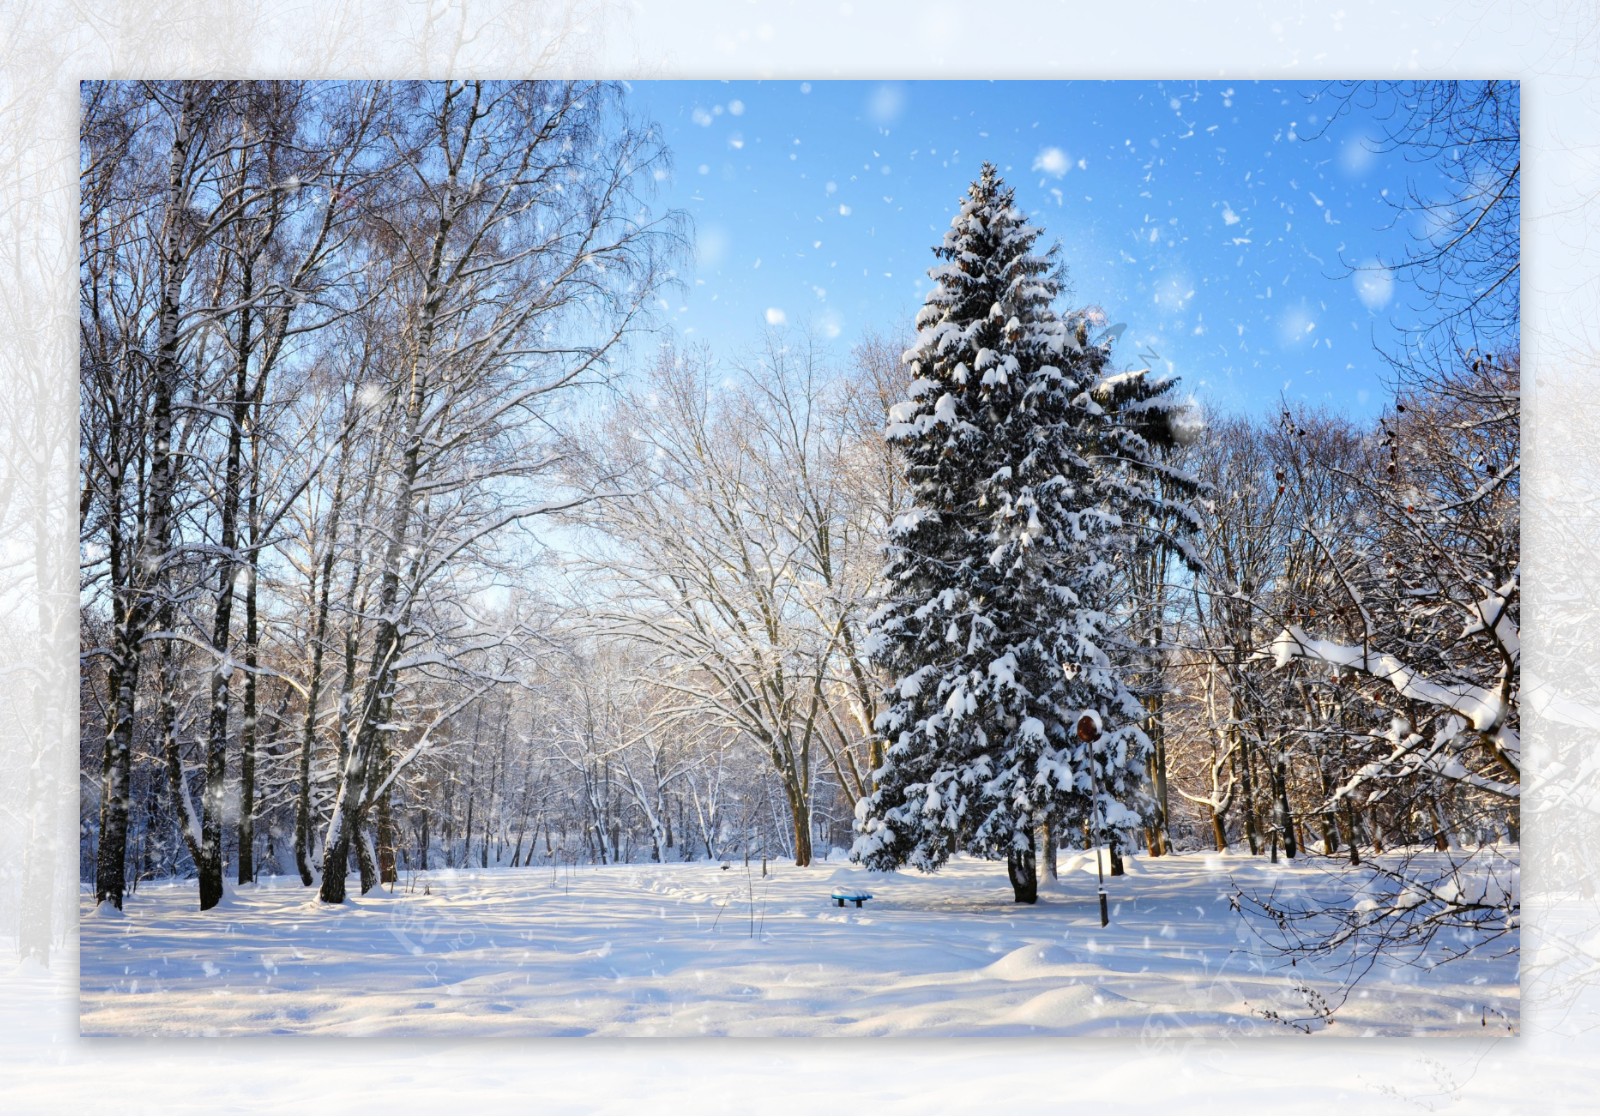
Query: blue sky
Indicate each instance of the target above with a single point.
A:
(1220, 221)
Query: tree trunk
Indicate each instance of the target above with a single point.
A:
(247, 738)
(491, 812)
(366, 859)
(167, 729)
(308, 740)
(1160, 839)
(1443, 838)
(1280, 795)
(302, 798)
(1330, 832)
(115, 765)
(389, 637)
(388, 841)
(142, 578)
(472, 780)
(376, 699)
(378, 802)
(426, 838)
(209, 866)
(249, 733)
(110, 876)
(1242, 752)
(1024, 872)
(336, 848)
(222, 618)
(800, 819)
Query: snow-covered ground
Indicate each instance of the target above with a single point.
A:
(695, 949)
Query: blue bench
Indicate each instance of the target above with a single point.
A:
(840, 895)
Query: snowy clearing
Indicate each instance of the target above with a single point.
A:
(680, 949)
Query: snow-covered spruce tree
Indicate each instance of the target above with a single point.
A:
(1032, 472)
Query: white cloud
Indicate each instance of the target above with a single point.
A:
(1052, 161)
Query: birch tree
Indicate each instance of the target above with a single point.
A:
(523, 253)
(736, 554)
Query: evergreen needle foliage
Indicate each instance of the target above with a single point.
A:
(1033, 470)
